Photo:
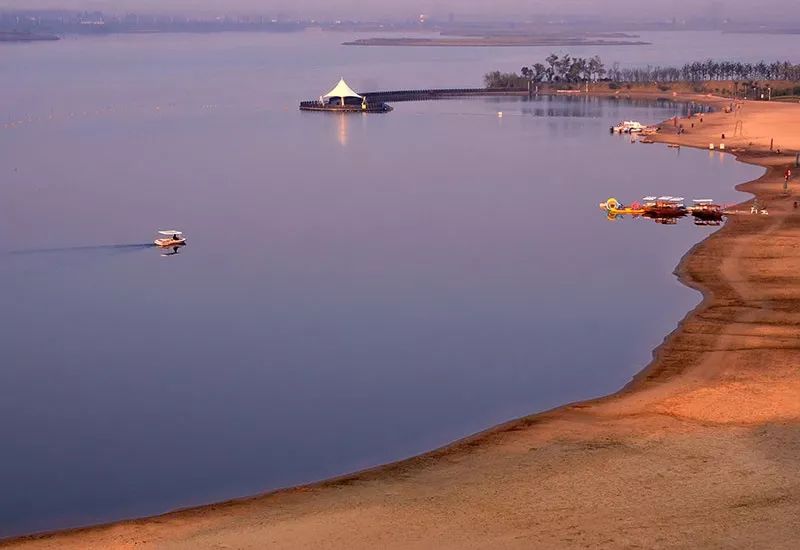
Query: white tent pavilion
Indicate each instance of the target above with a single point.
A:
(342, 92)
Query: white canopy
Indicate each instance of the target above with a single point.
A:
(342, 90)
(171, 232)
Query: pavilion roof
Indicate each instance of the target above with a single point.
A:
(342, 90)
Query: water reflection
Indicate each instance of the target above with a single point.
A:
(595, 107)
(699, 219)
(174, 252)
(344, 121)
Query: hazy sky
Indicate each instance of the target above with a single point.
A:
(354, 8)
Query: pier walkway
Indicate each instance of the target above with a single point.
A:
(376, 101)
(441, 93)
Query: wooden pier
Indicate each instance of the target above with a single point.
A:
(440, 93)
(366, 107)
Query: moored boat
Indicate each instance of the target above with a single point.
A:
(628, 127)
(705, 209)
(665, 207)
(668, 210)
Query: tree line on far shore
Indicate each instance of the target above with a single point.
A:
(567, 69)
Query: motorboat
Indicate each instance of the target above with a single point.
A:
(665, 207)
(628, 127)
(171, 238)
(706, 210)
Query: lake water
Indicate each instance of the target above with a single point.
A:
(355, 289)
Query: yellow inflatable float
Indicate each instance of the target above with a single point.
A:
(613, 206)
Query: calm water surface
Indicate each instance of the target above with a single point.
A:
(355, 289)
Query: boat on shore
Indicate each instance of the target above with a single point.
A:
(628, 127)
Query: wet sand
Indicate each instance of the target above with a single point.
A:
(701, 450)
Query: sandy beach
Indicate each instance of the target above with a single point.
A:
(700, 450)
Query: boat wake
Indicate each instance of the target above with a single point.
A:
(97, 248)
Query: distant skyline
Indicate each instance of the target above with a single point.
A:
(628, 9)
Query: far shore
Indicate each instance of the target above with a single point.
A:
(12, 36)
(494, 41)
(700, 450)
